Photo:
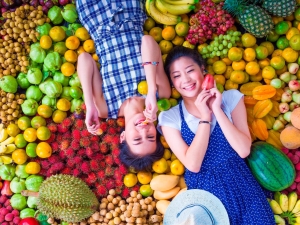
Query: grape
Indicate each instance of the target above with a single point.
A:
(221, 47)
(229, 45)
(224, 42)
(218, 53)
(216, 48)
(232, 39)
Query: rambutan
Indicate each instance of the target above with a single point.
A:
(118, 190)
(121, 122)
(52, 138)
(109, 160)
(79, 124)
(78, 160)
(103, 147)
(119, 183)
(43, 172)
(59, 138)
(94, 146)
(112, 130)
(107, 138)
(45, 164)
(109, 171)
(52, 127)
(94, 138)
(118, 175)
(62, 155)
(67, 135)
(115, 152)
(54, 146)
(64, 144)
(101, 174)
(81, 153)
(85, 133)
(61, 128)
(83, 106)
(98, 157)
(94, 165)
(76, 134)
(89, 152)
(117, 160)
(135, 188)
(85, 167)
(125, 193)
(116, 140)
(57, 167)
(100, 191)
(69, 152)
(76, 172)
(92, 178)
(53, 159)
(103, 126)
(71, 163)
(84, 142)
(75, 144)
(102, 164)
(111, 122)
(110, 184)
(66, 170)
(123, 169)
(67, 122)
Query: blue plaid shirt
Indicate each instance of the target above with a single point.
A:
(117, 28)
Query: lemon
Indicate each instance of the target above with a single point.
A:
(219, 67)
(143, 87)
(19, 156)
(130, 180)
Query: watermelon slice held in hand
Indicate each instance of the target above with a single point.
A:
(208, 82)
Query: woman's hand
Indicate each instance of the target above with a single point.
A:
(202, 104)
(150, 107)
(216, 99)
(92, 120)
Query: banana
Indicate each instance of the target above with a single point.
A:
(297, 207)
(10, 148)
(182, 2)
(8, 141)
(165, 7)
(284, 202)
(292, 200)
(3, 149)
(275, 207)
(3, 134)
(279, 219)
(6, 159)
(159, 17)
(276, 196)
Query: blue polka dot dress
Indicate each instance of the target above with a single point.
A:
(225, 174)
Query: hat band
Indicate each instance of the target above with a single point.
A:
(202, 206)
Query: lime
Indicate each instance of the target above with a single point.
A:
(75, 92)
(37, 122)
(163, 104)
(146, 190)
(272, 36)
(20, 141)
(297, 14)
(282, 43)
(30, 149)
(282, 27)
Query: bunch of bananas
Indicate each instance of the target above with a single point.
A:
(286, 208)
(167, 11)
(6, 146)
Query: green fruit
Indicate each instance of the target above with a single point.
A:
(163, 104)
(23, 81)
(60, 47)
(282, 42)
(8, 84)
(282, 27)
(75, 92)
(30, 149)
(272, 36)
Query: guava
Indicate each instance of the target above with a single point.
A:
(66, 93)
(76, 92)
(33, 182)
(54, 15)
(8, 84)
(29, 107)
(20, 171)
(18, 202)
(74, 81)
(7, 172)
(76, 104)
(27, 212)
(17, 185)
(32, 201)
(23, 81)
(61, 78)
(49, 101)
(51, 88)
(37, 53)
(52, 62)
(33, 92)
(69, 13)
(34, 75)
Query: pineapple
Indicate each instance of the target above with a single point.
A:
(252, 17)
(280, 8)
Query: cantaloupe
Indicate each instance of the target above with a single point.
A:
(290, 137)
(295, 118)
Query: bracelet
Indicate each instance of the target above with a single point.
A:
(203, 121)
(152, 63)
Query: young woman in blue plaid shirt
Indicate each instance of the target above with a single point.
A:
(126, 57)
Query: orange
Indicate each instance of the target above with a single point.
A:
(89, 46)
(257, 77)
(68, 69)
(211, 61)
(268, 72)
(167, 154)
(178, 40)
(187, 44)
(82, 34)
(44, 111)
(95, 57)
(143, 87)
(72, 42)
(20, 141)
(58, 116)
(57, 33)
(227, 61)
(30, 134)
(291, 32)
(237, 76)
(168, 33)
(45, 42)
(160, 166)
(63, 104)
(32, 168)
(220, 79)
(146, 190)
(228, 72)
(277, 52)
(156, 33)
(149, 24)
(163, 142)
(231, 85)
(290, 55)
(24, 122)
(19, 156)
(12, 130)
(238, 65)
(71, 56)
(31, 149)
(38, 121)
(261, 52)
(269, 46)
(182, 28)
(165, 46)
(281, 71)
(210, 70)
(235, 54)
(80, 50)
(43, 150)
(252, 68)
(43, 133)
(219, 67)
(130, 180)
(174, 93)
(248, 40)
(264, 62)
(249, 54)
(185, 18)
(173, 101)
(144, 177)
(177, 168)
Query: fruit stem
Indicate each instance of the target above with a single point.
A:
(28, 193)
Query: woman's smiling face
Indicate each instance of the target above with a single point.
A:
(186, 76)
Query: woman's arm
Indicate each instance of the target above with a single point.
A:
(237, 133)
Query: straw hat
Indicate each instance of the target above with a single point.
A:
(196, 207)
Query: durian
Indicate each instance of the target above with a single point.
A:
(67, 198)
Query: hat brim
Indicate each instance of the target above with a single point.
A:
(196, 196)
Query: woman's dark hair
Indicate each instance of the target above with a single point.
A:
(181, 51)
(140, 163)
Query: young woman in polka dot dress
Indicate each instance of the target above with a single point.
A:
(208, 133)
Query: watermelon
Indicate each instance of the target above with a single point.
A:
(271, 167)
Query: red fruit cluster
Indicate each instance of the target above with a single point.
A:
(93, 158)
(210, 20)
(8, 215)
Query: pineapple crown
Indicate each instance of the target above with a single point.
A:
(237, 7)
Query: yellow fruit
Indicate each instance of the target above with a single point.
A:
(43, 150)
(30, 134)
(163, 142)
(248, 40)
(182, 28)
(58, 116)
(43, 133)
(252, 68)
(174, 93)
(160, 166)
(89, 46)
(238, 65)
(219, 67)
(167, 154)
(291, 32)
(95, 57)
(146, 190)
(82, 34)
(269, 46)
(268, 72)
(277, 52)
(228, 72)
(220, 79)
(211, 61)
(71, 56)
(45, 42)
(178, 40)
(249, 54)
(156, 33)
(235, 54)
(165, 46)
(57, 33)
(290, 55)
(44, 111)
(168, 33)
(227, 61)
(149, 23)
(32, 168)
(63, 104)
(144, 177)
(200, 47)
(237, 76)
(143, 87)
(177, 168)
(72, 42)
(67, 69)
(264, 62)
(231, 85)
(80, 50)
(19, 156)
(130, 180)
(12, 130)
